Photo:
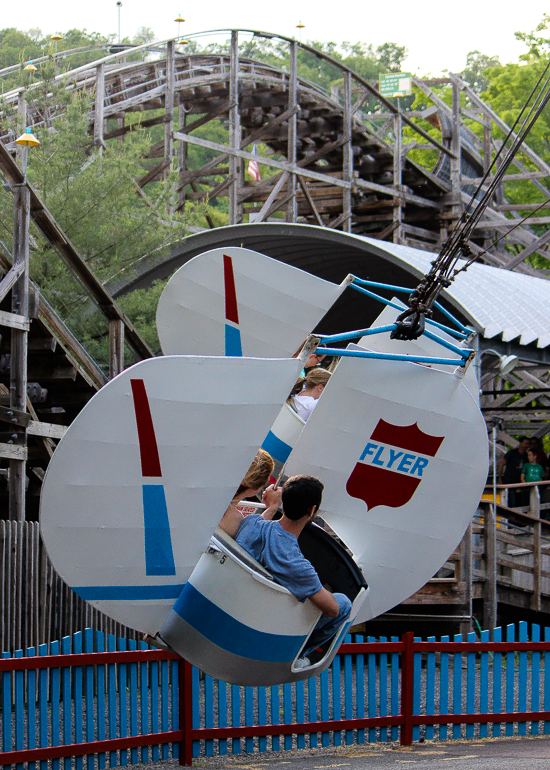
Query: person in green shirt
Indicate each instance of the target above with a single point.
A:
(532, 471)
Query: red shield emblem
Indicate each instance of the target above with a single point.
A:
(392, 464)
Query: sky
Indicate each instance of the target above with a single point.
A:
(438, 36)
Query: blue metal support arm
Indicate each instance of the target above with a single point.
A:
(358, 283)
(451, 317)
(390, 356)
(464, 352)
(385, 301)
(376, 296)
(346, 336)
(376, 285)
(453, 332)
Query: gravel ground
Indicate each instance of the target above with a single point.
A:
(488, 754)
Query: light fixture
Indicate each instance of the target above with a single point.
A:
(26, 140)
(30, 67)
(56, 36)
(505, 363)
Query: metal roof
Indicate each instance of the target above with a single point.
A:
(494, 301)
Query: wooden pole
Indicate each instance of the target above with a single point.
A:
(348, 153)
(490, 608)
(490, 588)
(19, 341)
(182, 154)
(116, 347)
(234, 128)
(499, 192)
(456, 150)
(466, 576)
(99, 105)
(534, 510)
(169, 105)
(487, 159)
(292, 208)
(397, 176)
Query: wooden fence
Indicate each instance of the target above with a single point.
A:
(102, 699)
(36, 606)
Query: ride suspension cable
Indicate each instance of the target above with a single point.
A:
(410, 324)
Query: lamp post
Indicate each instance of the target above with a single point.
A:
(119, 6)
(19, 332)
(30, 68)
(55, 37)
(300, 26)
(179, 19)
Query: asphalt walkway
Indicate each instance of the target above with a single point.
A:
(487, 754)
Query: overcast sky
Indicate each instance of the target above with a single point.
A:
(438, 36)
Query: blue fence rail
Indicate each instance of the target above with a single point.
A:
(93, 699)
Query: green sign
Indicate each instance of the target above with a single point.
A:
(395, 84)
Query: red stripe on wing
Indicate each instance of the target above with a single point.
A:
(150, 461)
(231, 312)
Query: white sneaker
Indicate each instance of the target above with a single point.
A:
(302, 662)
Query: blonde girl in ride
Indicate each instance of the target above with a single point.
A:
(307, 391)
(254, 481)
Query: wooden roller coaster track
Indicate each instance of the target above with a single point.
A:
(339, 160)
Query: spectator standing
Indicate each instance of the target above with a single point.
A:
(510, 469)
(532, 470)
(542, 459)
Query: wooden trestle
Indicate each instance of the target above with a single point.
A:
(341, 160)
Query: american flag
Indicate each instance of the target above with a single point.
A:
(253, 169)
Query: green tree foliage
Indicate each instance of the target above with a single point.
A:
(93, 195)
(76, 48)
(16, 47)
(475, 71)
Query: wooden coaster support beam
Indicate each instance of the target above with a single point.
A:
(347, 170)
(169, 107)
(99, 106)
(116, 347)
(234, 129)
(456, 147)
(292, 209)
(19, 339)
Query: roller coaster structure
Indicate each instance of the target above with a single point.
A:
(341, 160)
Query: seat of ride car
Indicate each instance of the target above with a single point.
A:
(336, 569)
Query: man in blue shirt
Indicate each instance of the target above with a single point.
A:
(275, 545)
